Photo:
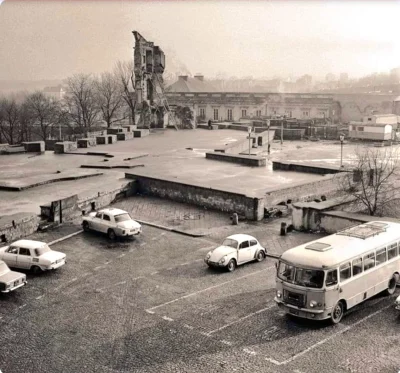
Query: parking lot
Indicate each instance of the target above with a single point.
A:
(152, 305)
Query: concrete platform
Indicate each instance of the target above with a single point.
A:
(247, 160)
(123, 136)
(34, 146)
(65, 147)
(87, 143)
(106, 139)
(141, 133)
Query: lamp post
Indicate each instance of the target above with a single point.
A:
(341, 138)
(249, 132)
(268, 124)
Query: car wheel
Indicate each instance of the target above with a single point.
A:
(36, 269)
(85, 226)
(231, 265)
(337, 313)
(260, 256)
(111, 234)
(392, 285)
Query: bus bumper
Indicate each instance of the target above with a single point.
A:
(303, 313)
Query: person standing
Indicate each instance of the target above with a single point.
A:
(209, 124)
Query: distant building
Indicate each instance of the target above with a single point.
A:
(330, 77)
(395, 74)
(344, 78)
(377, 127)
(56, 93)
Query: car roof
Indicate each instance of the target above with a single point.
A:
(28, 244)
(241, 237)
(113, 211)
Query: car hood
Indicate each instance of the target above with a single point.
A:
(52, 256)
(221, 251)
(398, 299)
(129, 224)
(3, 249)
(11, 276)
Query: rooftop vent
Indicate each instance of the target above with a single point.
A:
(319, 246)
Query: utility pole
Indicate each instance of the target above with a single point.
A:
(281, 132)
(268, 124)
(249, 132)
(341, 137)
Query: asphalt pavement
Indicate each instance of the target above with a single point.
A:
(151, 305)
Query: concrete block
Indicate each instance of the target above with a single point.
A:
(65, 147)
(141, 133)
(116, 130)
(86, 143)
(34, 146)
(214, 126)
(124, 136)
(107, 139)
(129, 127)
(246, 160)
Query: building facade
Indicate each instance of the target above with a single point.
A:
(232, 106)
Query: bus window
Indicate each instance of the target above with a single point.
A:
(345, 271)
(357, 266)
(331, 278)
(285, 271)
(380, 256)
(392, 251)
(369, 261)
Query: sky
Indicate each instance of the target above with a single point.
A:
(55, 39)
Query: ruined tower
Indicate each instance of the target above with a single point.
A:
(149, 65)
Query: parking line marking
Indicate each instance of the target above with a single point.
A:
(249, 351)
(121, 256)
(226, 342)
(205, 334)
(327, 339)
(150, 312)
(97, 268)
(24, 305)
(167, 318)
(209, 288)
(183, 264)
(198, 260)
(143, 244)
(241, 319)
(40, 296)
(187, 326)
(108, 287)
(153, 273)
(169, 269)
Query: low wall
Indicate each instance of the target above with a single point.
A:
(246, 160)
(13, 227)
(141, 133)
(34, 146)
(106, 139)
(236, 147)
(49, 144)
(305, 167)
(65, 147)
(200, 195)
(116, 130)
(290, 133)
(129, 127)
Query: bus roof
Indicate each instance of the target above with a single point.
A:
(337, 248)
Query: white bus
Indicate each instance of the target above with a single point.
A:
(324, 278)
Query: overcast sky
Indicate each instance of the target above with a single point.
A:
(54, 39)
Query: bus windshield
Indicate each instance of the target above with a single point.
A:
(312, 278)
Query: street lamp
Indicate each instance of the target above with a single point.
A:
(268, 124)
(341, 138)
(249, 132)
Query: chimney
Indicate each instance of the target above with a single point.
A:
(199, 77)
(183, 77)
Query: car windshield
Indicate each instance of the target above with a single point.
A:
(122, 217)
(3, 268)
(231, 243)
(312, 278)
(41, 250)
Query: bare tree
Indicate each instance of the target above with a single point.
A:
(373, 182)
(126, 79)
(81, 100)
(44, 112)
(9, 120)
(109, 98)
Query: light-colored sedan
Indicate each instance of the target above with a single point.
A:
(34, 255)
(236, 250)
(10, 280)
(113, 222)
(397, 303)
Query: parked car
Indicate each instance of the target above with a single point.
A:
(34, 255)
(113, 222)
(236, 250)
(10, 280)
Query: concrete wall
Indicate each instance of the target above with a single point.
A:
(141, 133)
(229, 201)
(304, 167)
(124, 136)
(65, 147)
(246, 160)
(14, 227)
(34, 146)
(87, 142)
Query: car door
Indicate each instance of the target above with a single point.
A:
(97, 221)
(107, 223)
(24, 258)
(244, 254)
(254, 246)
(10, 256)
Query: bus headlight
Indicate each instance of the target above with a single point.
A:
(313, 304)
(278, 294)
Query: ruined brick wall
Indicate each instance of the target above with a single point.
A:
(18, 227)
(249, 206)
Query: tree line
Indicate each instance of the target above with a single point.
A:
(89, 99)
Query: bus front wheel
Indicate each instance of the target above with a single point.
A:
(392, 285)
(337, 312)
